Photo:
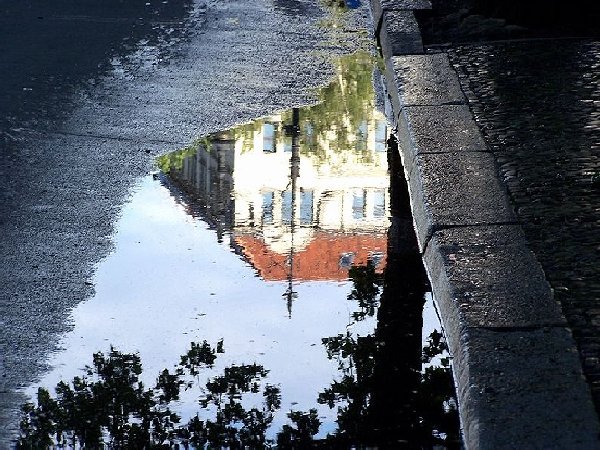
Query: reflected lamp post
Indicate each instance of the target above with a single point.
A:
(293, 130)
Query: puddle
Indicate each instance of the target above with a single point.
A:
(273, 271)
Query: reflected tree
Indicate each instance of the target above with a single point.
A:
(383, 396)
(336, 122)
(352, 392)
(341, 4)
(366, 289)
(109, 405)
(344, 107)
(437, 400)
(98, 407)
(174, 161)
(300, 434)
(234, 425)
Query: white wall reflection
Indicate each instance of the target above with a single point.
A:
(327, 205)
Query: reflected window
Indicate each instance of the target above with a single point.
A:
(267, 208)
(309, 135)
(379, 203)
(306, 207)
(361, 136)
(251, 214)
(269, 138)
(375, 258)
(358, 204)
(346, 260)
(286, 207)
(287, 144)
(380, 136)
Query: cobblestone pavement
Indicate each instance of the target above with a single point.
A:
(538, 104)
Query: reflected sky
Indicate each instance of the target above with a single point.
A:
(186, 286)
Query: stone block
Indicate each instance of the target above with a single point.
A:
(446, 128)
(486, 276)
(523, 389)
(456, 189)
(422, 80)
(438, 129)
(379, 6)
(400, 34)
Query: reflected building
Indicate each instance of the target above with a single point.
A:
(318, 211)
(333, 215)
(205, 173)
(302, 195)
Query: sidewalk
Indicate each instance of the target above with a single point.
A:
(519, 378)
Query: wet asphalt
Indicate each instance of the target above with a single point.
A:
(91, 93)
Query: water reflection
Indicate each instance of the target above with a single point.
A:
(304, 199)
(303, 194)
(387, 393)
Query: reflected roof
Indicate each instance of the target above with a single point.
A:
(326, 257)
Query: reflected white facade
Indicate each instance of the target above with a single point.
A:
(345, 191)
(246, 182)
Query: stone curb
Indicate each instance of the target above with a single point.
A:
(519, 379)
(400, 32)
(378, 7)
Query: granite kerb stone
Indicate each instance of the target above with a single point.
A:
(422, 80)
(488, 277)
(378, 7)
(455, 189)
(400, 34)
(523, 389)
(438, 129)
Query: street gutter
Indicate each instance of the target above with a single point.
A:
(519, 379)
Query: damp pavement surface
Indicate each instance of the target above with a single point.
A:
(91, 94)
(538, 105)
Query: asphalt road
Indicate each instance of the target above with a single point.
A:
(91, 93)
